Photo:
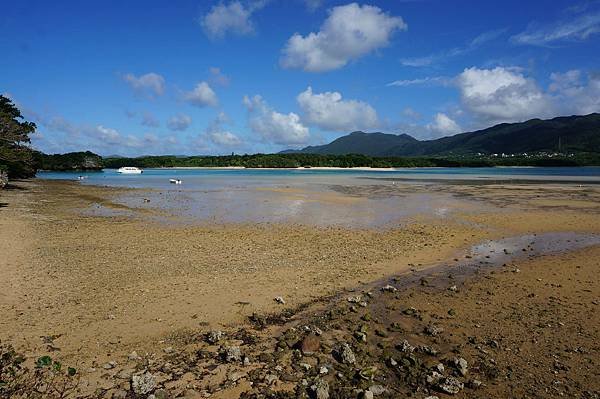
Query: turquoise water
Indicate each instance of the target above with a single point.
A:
(157, 178)
(306, 196)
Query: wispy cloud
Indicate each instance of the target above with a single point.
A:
(441, 56)
(577, 28)
(429, 80)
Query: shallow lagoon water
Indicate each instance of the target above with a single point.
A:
(207, 177)
(305, 196)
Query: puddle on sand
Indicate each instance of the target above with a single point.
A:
(497, 252)
(489, 254)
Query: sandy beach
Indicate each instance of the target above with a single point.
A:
(90, 290)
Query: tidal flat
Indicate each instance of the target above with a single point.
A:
(92, 274)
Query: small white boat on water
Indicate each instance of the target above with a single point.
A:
(130, 170)
(175, 181)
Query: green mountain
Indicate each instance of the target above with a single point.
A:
(562, 134)
(373, 144)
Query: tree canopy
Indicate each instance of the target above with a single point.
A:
(15, 153)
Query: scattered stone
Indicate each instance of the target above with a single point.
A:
(169, 349)
(493, 343)
(305, 366)
(279, 300)
(360, 336)
(440, 367)
(143, 384)
(461, 365)
(433, 330)
(320, 389)
(134, 356)
(453, 288)
(434, 378)
(323, 370)
(428, 350)
(110, 365)
(212, 337)
(450, 385)
(346, 354)
(389, 288)
(310, 344)
(474, 384)
(451, 312)
(355, 299)
(232, 354)
(405, 347)
(125, 374)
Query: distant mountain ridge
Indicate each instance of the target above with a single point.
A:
(563, 134)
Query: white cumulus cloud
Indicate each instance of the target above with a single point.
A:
(273, 126)
(179, 122)
(576, 92)
(224, 138)
(444, 125)
(202, 96)
(506, 95)
(349, 32)
(502, 95)
(108, 135)
(234, 18)
(330, 111)
(150, 84)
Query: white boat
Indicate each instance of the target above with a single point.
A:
(175, 181)
(132, 170)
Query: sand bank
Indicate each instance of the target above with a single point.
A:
(103, 287)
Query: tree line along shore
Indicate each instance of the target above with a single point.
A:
(91, 161)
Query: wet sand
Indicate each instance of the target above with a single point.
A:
(105, 286)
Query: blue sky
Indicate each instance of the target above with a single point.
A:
(202, 77)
